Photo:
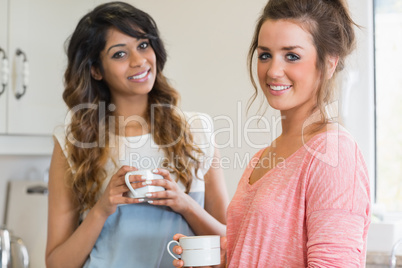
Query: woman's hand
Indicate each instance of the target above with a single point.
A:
(178, 250)
(173, 196)
(114, 192)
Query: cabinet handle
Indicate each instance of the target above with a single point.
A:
(4, 71)
(25, 73)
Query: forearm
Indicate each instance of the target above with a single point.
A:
(337, 238)
(201, 222)
(75, 250)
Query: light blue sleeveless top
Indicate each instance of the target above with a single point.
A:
(136, 235)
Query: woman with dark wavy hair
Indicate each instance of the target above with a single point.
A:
(123, 117)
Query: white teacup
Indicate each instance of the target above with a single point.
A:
(140, 192)
(199, 250)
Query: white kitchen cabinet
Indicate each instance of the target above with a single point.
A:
(3, 53)
(39, 29)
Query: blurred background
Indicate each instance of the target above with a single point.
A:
(207, 43)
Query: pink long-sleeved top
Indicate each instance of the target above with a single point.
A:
(311, 210)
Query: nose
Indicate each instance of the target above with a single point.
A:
(137, 59)
(275, 68)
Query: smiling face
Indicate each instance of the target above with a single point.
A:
(287, 65)
(129, 65)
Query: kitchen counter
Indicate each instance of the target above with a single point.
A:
(381, 260)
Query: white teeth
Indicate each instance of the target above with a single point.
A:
(277, 88)
(139, 76)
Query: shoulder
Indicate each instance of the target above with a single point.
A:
(337, 177)
(336, 166)
(334, 161)
(332, 147)
(60, 133)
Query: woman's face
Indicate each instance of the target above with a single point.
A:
(287, 65)
(129, 65)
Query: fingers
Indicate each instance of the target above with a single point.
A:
(168, 184)
(126, 200)
(167, 194)
(129, 200)
(165, 198)
(117, 184)
(223, 242)
(165, 183)
(118, 189)
(124, 169)
(223, 251)
(137, 181)
(178, 263)
(164, 202)
(162, 198)
(178, 236)
(119, 177)
(164, 173)
(177, 250)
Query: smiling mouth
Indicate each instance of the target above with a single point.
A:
(278, 88)
(139, 76)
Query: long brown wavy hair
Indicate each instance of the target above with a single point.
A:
(330, 25)
(87, 137)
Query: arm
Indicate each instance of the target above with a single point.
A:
(337, 207)
(210, 220)
(68, 243)
(335, 239)
(63, 216)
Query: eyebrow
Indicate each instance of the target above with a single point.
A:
(283, 48)
(118, 45)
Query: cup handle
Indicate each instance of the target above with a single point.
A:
(127, 179)
(168, 248)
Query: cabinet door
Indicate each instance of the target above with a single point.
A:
(3, 45)
(39, 29)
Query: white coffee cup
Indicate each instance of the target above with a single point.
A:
(199, 250)
(140, 192)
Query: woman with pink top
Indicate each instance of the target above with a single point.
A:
(304, 201)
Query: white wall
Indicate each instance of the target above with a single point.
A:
(207, 43)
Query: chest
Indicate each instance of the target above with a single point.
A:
(277, 190)
(273, 157)
(276, 201)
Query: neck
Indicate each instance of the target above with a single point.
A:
(131, 115)
(299, 123)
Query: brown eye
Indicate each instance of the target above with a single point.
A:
(143, 45)
(118, 55)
